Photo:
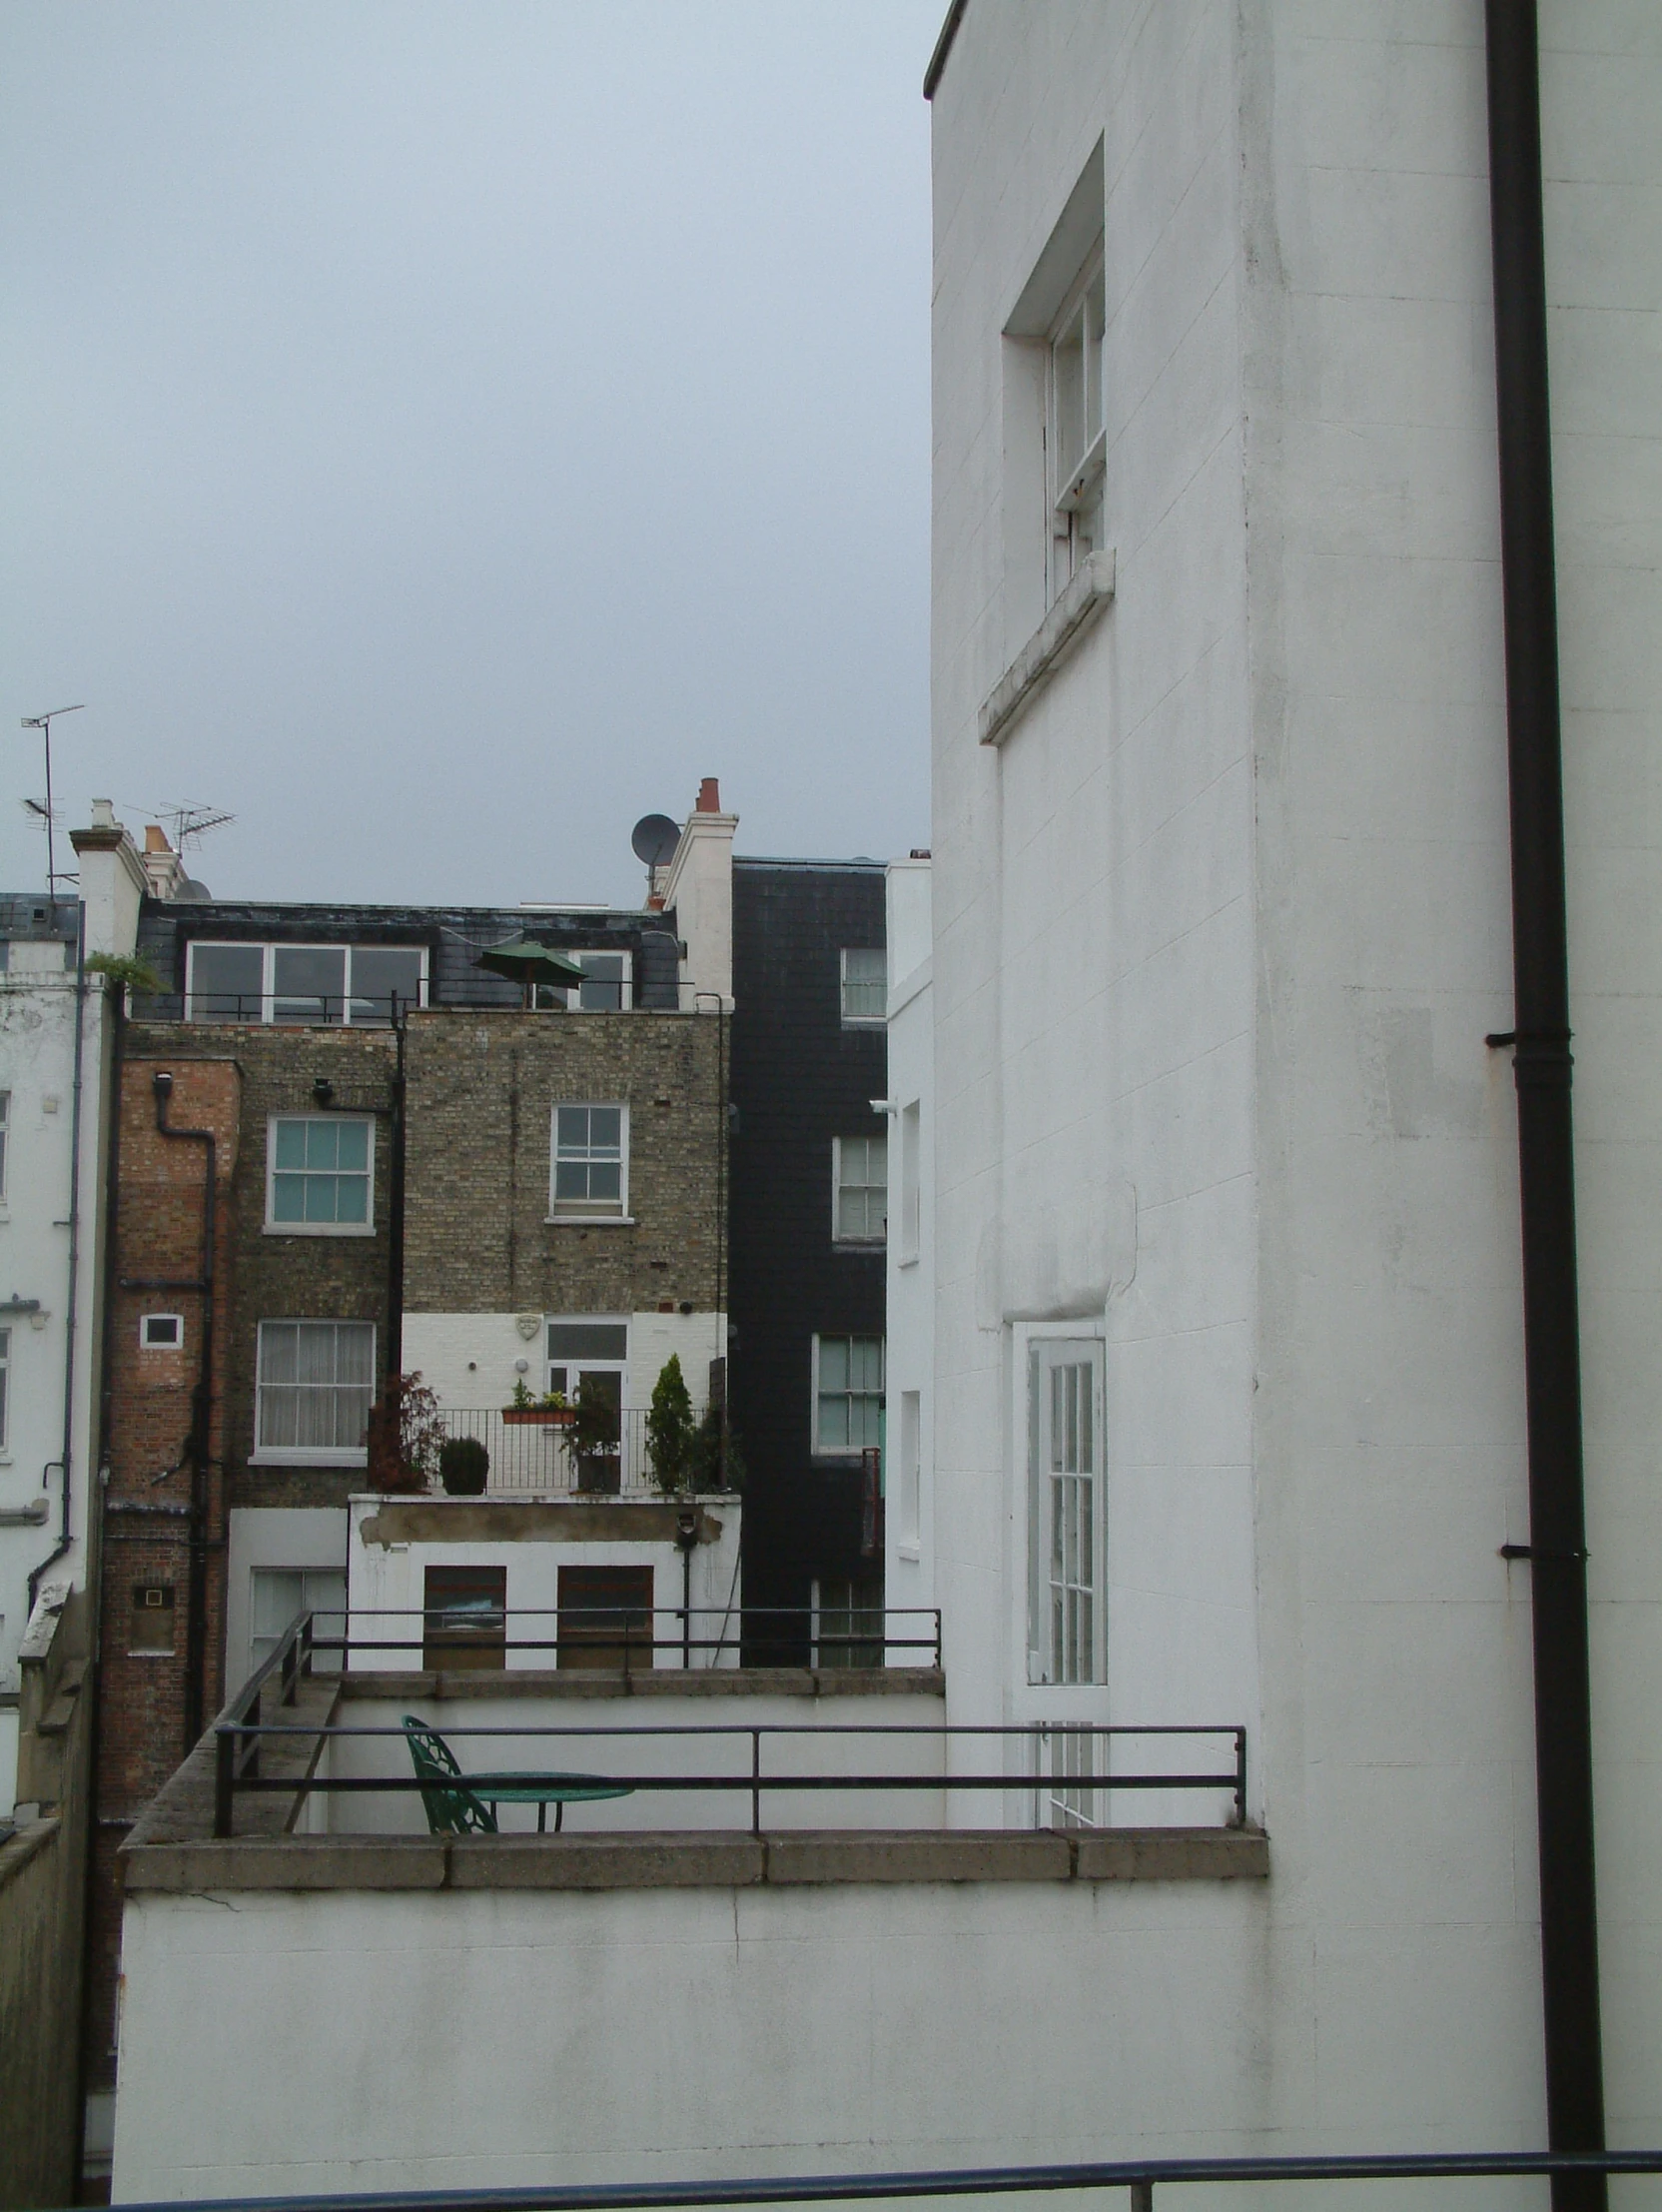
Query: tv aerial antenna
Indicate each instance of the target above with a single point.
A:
(190, 824)
(43, 722)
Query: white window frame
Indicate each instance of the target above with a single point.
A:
(866, 1242)
(268, 978)
(911, 1182)
(879, 1020)
(909, 1488)
(584, 1364)
(1075, 498)
(1043, 1355)
(557, 999)
(559, 1213)
(851, 1452)
(147, 1343)
(5, 1389)
(5, 1140)
(306, 1454)
(325, 1663)
(276, 1228)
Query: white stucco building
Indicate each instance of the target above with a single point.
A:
(56, 1020)
(909, 1429)
(1229, 1372)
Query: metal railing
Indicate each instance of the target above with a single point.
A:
(623, 1634)
(242, 1728)
(237, 1731)
(534, 1453)
(1027, 1778)
(1138, 2177)
(279, 1009)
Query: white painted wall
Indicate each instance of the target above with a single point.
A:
(1220, 929)
(471, 1360)
(627, 1735)
(699, 887)
(383, 1577)
(517, 2037)
(286, 1536)
(37, 1066)
(910, 1280)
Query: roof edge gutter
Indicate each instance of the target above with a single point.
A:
(1542, 1068)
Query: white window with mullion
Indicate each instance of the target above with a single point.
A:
(1066, 1561)
(314, 1383)
(860, 1189)
(5, 1139)
(589, 1178)
(848, 1396)
(303, 985)
(320, 1175)
(1076, 438)
(5, 1390)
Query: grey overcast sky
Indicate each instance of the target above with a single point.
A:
(440, 434)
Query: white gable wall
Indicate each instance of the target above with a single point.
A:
(1220, 930)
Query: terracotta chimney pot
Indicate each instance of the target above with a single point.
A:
(709, 797)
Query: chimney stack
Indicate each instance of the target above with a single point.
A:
(709, 797)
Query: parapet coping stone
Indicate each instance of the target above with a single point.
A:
(698, 1860)
(465, 1684)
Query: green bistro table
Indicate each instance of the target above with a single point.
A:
(544, 1790)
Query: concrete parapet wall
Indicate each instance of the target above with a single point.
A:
(620, 2009)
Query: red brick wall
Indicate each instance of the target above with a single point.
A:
(151, 1498)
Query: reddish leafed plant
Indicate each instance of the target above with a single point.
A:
(406, 1433)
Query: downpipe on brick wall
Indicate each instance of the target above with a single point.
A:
(198, 1437)
(63, 1536)
(1557, 1548)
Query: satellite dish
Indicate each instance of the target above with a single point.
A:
(654, 838)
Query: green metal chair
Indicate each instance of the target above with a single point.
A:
(451, 1807)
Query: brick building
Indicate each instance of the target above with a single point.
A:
(346, 1150)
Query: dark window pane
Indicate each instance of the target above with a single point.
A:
(226, 982)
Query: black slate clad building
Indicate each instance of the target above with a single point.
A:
(807, 1219)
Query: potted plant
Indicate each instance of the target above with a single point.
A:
(551, 1410)
(596, 1435)
(463, 1467)
(670, 1429)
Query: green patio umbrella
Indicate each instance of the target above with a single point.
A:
(530, 964)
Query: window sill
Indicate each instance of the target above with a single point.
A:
(1057, 635)
(309, 1459)
(860, 1243)
(864, 1021)
(152, 1654)
(589, 1221)
(907, 1259)
(319, 1229)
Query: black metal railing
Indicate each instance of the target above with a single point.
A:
(282, 1009)
(629, 1635)
(535, 1450)
(1138, 2177)
(237, 1731)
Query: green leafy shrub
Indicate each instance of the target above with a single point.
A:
(670, 1430)
(463, 1467)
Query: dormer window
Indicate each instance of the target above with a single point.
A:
(607, 986)
(304, 986)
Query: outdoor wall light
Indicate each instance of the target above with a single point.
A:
(522, 1367)
(322, 1090)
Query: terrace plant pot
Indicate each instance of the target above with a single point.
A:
(601, 1472)
(538, 1417)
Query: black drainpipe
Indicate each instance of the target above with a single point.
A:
(65, 1525)
(198, 1441)
(1542, 1070)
